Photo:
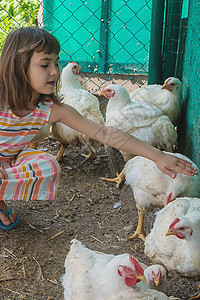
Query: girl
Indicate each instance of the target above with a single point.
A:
(29, 77)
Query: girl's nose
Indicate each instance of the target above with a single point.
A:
(54, 70)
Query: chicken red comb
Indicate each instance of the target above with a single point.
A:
(104, 87)
(167, 81)
(169, 199)
(74, 62)
(173, 223)
(138, 268)
(159, 275)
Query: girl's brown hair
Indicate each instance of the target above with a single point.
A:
(19, 46)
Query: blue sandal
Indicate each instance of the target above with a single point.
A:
(12, 225)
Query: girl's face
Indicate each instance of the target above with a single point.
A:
(43, 73)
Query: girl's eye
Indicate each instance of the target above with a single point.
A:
(44, 66)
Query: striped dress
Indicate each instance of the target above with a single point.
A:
(32, 174)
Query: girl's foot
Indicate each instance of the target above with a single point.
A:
(6, 220)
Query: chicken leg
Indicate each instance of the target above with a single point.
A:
(139, 233)
(60, 153)
(119, 179)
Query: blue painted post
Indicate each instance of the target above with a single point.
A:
(103, 51)
(173, 26)
(155, 55)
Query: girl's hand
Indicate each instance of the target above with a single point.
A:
(3, 174)
(171, 165)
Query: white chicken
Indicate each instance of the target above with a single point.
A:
(85, 103)
(140, 119)
(152, 188)
(174, 240)
(166, 97)
(91, 275)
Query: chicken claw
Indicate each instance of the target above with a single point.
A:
(119, 179)
(90, 156)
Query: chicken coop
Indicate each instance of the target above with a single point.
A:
(127, 42)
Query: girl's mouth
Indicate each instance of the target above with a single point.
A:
(51, 83)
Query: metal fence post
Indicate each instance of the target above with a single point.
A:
(173, 26)
(181, 48)
(155, 54)
(103, 52)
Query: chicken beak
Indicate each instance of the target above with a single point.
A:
(101, 93)
(170, 233)
(156, 281)
(140, 277)
(164, 87)
(79, 68)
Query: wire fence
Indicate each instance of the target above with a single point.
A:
(104, 37)
(109, 39)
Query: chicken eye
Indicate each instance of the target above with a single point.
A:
(128, 269)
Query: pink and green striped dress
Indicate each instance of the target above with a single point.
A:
(32, 174)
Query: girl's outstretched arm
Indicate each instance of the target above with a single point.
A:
(120, 140)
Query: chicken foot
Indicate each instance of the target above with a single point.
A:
(32, 145)
(90, 156)
(119, 179)
(93, 156)
(139, 233)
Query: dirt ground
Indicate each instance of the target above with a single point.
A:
(32, 255)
